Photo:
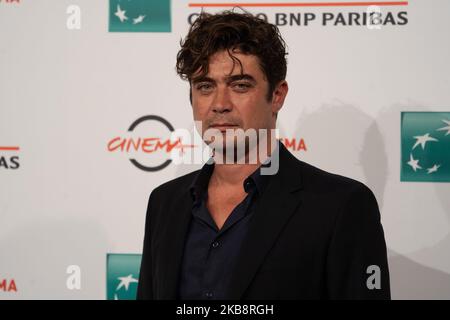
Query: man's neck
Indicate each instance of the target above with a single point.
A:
(234, 174)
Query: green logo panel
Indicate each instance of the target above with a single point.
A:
(425, 144)
(139, 16)
(122, 275)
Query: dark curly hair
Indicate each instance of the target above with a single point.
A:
(232, 31)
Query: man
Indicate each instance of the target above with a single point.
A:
(228, 231)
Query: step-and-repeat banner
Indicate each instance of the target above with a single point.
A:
(89, 97)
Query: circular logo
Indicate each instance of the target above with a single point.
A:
(137, 123)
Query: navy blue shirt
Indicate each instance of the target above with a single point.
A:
(209, 253)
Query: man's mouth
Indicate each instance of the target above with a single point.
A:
(223, 126)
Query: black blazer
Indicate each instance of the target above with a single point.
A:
(313, 235)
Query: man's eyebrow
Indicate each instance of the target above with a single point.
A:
(228, 79)
(202, 79)
(238, 77)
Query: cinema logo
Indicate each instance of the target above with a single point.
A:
(9, 158)
(8, 285)
(147, 143)
(370, 14)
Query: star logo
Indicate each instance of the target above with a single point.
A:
(433, 168)
(422, 140)
(138, 19)
(125, 282)
(120, 14)
(445, 128)
(139, 16)
(425, 146)
(414, 163)
(122, 276)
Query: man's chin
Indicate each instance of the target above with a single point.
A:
(230, 153)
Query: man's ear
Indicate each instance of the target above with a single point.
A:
(278, 96)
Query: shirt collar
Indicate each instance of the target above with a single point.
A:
(199, 185)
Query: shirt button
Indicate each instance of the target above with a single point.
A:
(247, 186)
(209, 294)
(215, 244)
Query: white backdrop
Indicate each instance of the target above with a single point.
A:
(64, 94)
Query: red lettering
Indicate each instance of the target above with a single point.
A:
(112, 146)
(135, 145)
(169, 146)
(3, 285)
(292, 143)
(148, 146)
(12, 286)
(289, 143)
(301, 145)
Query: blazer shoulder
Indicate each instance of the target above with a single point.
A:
(318, 180)
(342, 196)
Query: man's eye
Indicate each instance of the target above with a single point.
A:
(204, 87)
(242, 86)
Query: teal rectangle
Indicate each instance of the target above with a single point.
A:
(434, 153)
(156, 13)
(122, 275)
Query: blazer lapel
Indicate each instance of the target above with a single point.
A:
(173, 245)
(272, 212)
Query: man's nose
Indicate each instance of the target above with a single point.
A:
(221, 101)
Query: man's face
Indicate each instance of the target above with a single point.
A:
(230, 98)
